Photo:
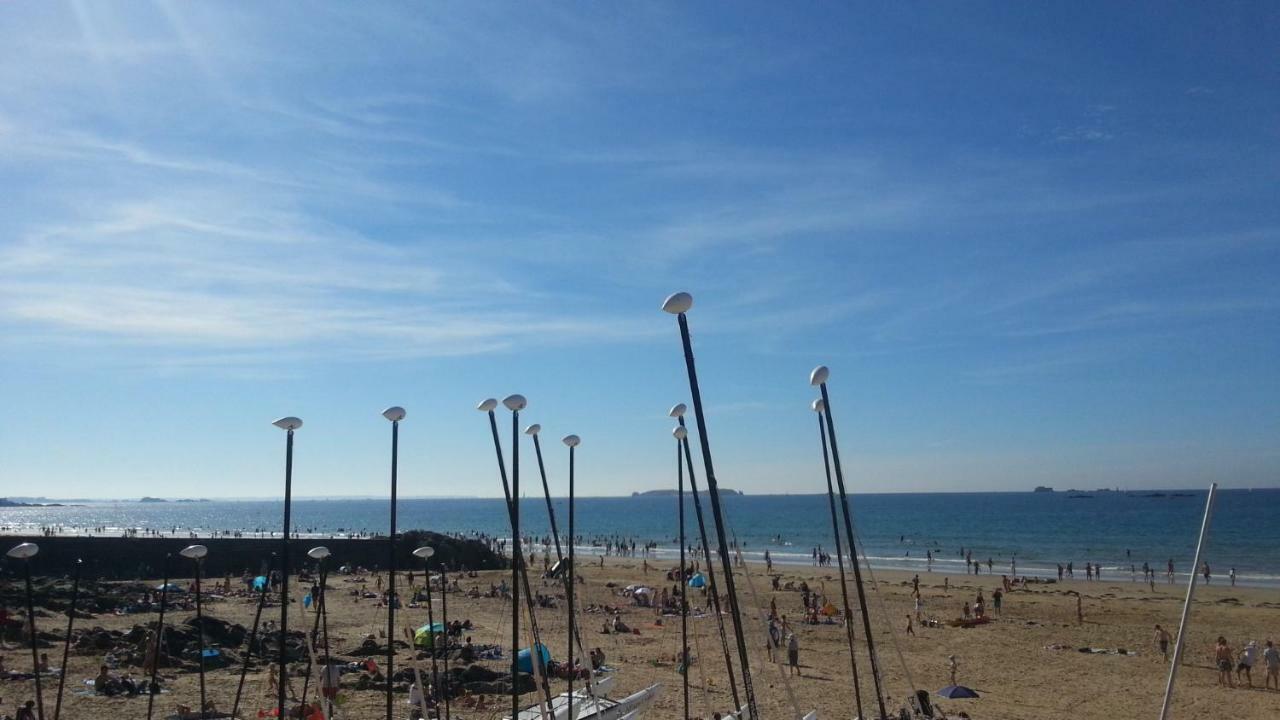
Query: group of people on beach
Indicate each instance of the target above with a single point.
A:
(1226, 660)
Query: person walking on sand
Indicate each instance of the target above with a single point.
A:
(793, 653)
(1205, 569)
(1271, 658)
(1222, 657)
(1162, 641)
(954, 666)
(911, 630)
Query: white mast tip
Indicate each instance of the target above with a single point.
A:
(395, 413)
(288, 423)
(487, 405)
(818, 405)
(533, 429)
(23, 551)
(819, 375)
(572, 440)
(679, 432)
(318, 552)
(424, 552)
(515, 402)
(194, 552)
(677, 410)
(678, 303)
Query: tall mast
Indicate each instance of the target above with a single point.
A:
(678, 413)
(1186, 606)
(678, 304)
(819, 378)
(844, 587)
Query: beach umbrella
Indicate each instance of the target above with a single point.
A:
(957, 692)
(424, 637)
(524, 658)
(698, 580)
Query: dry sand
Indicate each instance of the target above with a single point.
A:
(1007, 661)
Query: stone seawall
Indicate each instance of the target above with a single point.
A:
(118, 558)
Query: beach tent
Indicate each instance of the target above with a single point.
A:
(956, 692)
(424, 637)
(698, 580)
(172, 587)
(259, 582)
(524, 659)
(829, 610)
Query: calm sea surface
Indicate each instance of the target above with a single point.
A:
(1113, 529)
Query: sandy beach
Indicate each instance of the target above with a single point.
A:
(1011, 662)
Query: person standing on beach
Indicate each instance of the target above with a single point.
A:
(1205, 570)
(793, 653)
(1232, 575)
(1222, 657)
(1059, 572)
(1271, 657)
(1170, 573)
(1162, 641)
(910, 628)
(954, 666)
(1248, 656)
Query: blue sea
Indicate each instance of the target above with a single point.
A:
(1110, 528)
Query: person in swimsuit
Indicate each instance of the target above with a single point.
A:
(1271, 657)
(1222, 657)
(1162, 639)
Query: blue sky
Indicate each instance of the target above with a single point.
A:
(1035, 244)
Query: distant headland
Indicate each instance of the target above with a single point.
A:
(6, 502)
(669, 493)
(181, 500)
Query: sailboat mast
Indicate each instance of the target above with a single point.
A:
(717, 513)
(684, 584)
(1186, 606)
(710, 566)
(853, 547)
(844, 586)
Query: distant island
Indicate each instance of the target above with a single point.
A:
(1043, 488)
(6, 502)
(670, 493)
(181, 500)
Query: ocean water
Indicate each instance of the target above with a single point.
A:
(1042, 529)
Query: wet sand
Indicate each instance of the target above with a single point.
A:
(1006, 661)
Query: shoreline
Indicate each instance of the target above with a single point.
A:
(792, 561)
